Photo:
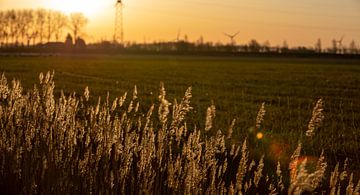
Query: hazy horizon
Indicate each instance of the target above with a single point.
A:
(299, 23)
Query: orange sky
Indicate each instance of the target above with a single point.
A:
(298, 22)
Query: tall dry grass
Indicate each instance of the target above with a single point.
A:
(69, 145)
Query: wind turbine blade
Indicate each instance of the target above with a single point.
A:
(227, 35)
(236, 34)
(341, 39)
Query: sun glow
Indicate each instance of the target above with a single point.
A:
(88, 7)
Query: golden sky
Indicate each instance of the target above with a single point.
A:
(298, 22)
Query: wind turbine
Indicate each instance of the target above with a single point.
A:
(232, 37)
(177, 39)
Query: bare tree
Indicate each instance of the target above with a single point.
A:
(200, 41)
(31, 30)
(266, 46)
(318, 47)
(60, 21)
(334, 46)
(34, 26)
(285, 47)
(49, 25)
(352, 47)
(40, 23)
(12, 30)
(77, 23)
(254, 46)
(4, 31)
(2, 28)
(23, 22)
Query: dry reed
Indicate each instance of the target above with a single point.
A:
(68, 145)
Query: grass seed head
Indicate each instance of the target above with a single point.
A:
(316, 118)
(210, 115)
(260, 116)
(86, 93)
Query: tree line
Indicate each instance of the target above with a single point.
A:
(253, 46)
(29, 27)
(36, 27)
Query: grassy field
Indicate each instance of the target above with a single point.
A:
(57, 144)
(237, 86)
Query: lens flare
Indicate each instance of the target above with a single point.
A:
(294, 165)
(259, 135)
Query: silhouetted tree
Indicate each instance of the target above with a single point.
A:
(285, 47)
(334, 46)
(21, 25)
(5, 29)
(352, 47)
(50, 25)
(77, 23)
(12, 30)
(186, 38)
(200, 41)
(31, 31)
(40, 23)
(2, 28)
(318, 47)
(24, 26)
(254, 46)
(266, 46)
(60, 22)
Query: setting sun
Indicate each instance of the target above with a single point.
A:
(88, 7)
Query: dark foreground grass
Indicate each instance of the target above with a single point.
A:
(237, 86)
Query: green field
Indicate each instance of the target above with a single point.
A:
(290, 88)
